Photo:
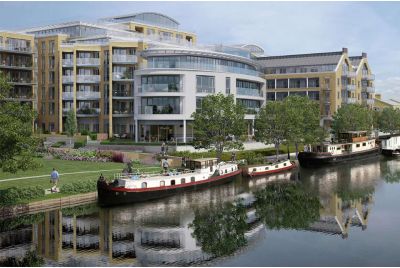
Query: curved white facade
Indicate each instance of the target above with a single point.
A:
(163, 109)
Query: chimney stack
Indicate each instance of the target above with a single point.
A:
(345, 50)
(364, 55)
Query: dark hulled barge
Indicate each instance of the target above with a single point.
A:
(133, 188)
(352, 145)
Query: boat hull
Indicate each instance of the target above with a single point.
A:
(246, 171)
(395, 153)
(111, 196)
(308, 159)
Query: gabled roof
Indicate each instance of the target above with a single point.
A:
(328, 58)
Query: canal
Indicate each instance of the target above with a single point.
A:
(346, 215)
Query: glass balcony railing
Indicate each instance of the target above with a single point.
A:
(350, 87)
(87, 95)
(348, 73)
(125, 111)
(88, 79)
(88, 111)
(160, 88)
(122, 76)
(205, 90)
(249, 92)
(251, 110)
(20, 80)
(67, 109)
(67, 62)
(124, 58)
(88, 61)
(368, 89)
(68, 79)
(15, 48)
(68, 95)
(368, 76)
(122, 93)
(351, 100)
(159, 109)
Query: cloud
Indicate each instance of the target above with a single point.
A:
(389, 87)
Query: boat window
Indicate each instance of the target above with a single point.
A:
(284, 164)
(144, 184)
(162, 183)
(357, 145)
(266, 168)
(254, 169)
(338, 148)
(276, 166)
(226, 171)
(364, 144)
(182, 180)
(192, 179)
(211, 168)
(172, 182)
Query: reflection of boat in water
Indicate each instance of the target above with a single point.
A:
(390, 145)
(130, 188)
(355, 145)
(270, 168)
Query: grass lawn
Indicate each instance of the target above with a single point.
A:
(63, 166)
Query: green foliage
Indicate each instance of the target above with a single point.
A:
(84, 132)
(17, 144)
(389, 120)
(218, 120)
(93, 136)
(16, 195)
(220, 229)
(286, 205)
(31, 259)
(88, 209)
(24, 220)
(58, 144)
(71, 124)
(352, 117)
(392, 177)
(251, 157)
(79, 144)
(84, 186)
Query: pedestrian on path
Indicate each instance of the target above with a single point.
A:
(54, 177)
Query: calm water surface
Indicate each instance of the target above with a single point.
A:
(346, 215)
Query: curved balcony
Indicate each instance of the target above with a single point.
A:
(88, 79)
(124, 59)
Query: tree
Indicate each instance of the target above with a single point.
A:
(71, 125)
(270, 125)
(17, 143)
(389, 120)
(302, 117)
(352, 117)
(219, 124)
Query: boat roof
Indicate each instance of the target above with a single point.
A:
(204, 159)
(354, 132)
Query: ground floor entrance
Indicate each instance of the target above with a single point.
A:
(177, 131)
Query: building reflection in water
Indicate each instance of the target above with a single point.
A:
(159, 232)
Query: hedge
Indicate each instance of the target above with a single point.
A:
(16, 195)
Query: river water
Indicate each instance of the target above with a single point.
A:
(346, 215)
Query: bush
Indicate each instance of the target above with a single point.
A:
(79, 144)
(58, 144)
(84, 132)
(81, 155)
(93, 136)
(16, 195)
(84, 186)
(118, 157)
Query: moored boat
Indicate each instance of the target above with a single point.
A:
(268, 168)
(132, 188)
(352, 145)
(390, 145)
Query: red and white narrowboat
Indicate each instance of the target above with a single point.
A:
(132, 188)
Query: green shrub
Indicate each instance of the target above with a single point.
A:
(14, 195)
(84, 132)
(84, 186)
(58, 144)
(93, 136)
(79, 144)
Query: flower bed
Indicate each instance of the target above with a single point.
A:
(81, 155)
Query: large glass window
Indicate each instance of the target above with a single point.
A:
(161, 83)
(271, 96)
(228, 85)
(205, 84)
(252, 106)
(314, 95)
(297, 82)
(248, 88)
(271, 83)
(313, 82)
(281, 83)
(160, 105)
(281, 95)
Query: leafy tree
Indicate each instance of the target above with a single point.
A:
(220, 229)
(270, 124)
(286, 205)
(218, 120)
(71, 125)
(352, 117)
(302, 117)
(17, 144)
(389, 120)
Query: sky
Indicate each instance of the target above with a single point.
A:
(279, 27)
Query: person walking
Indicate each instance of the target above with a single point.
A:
(165, 165)
(54, 177)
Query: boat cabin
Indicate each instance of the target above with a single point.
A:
(353, 136)
(201, 163)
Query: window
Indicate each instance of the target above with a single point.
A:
(271, 83)
(205, 84)
(248, 88)
(183, 180)
(266, 168)
(271, 96)
(172, 182)
(43, 47)
(281, 95)
(313, 82)
(162, 183)
(228, 85)
(364, 144)
(192, 179)
(160, 83)
(144, 184)
(254, 169)
(297, 83)
(281, 83)
(314, 95)
(160, 105)
(357, 145)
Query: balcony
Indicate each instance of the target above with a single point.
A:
(88, 79)
(67, 62)
(22, 96)
(165, 109)
(349, 74)
(122, 76)
(249, 92)
(122, 93)
(68, 95)
(351, 100)
(86, 111)
(87, 61)
(250, 110)
(20, 81)
(160, 88)
(66, 110)
(368, 76)
(369, 89)
(205, 90)
(67, 79)
(119, 112)
(350, 87)
(85, 95)
(369, 101)
(25, 50)
(126, 59)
